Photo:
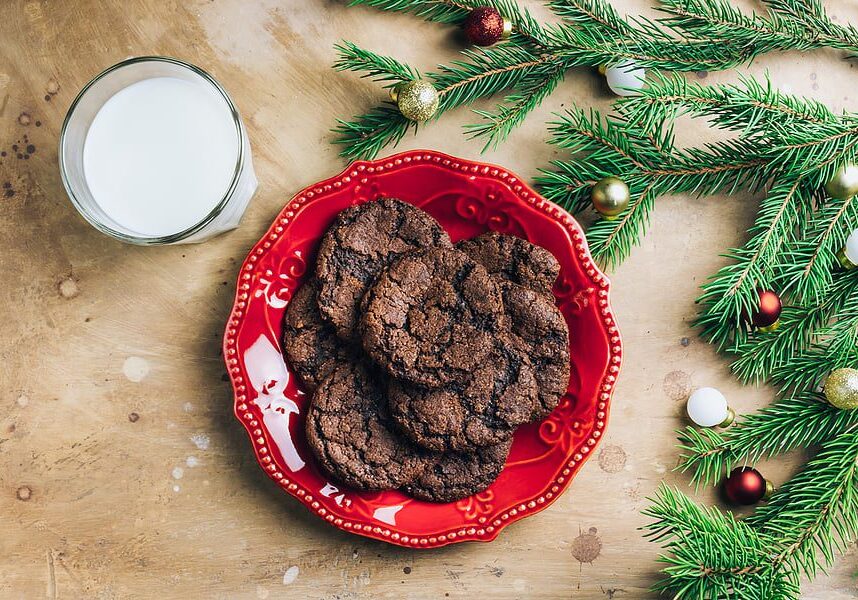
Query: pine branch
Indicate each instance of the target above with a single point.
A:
(455, 11)
(485, 72)
(762, 354)
(591, 14)
(515, 107)
(366, 135)
(816, 512)
(789, 25)
(810, 263)
(713, 556)
(694, 35)
(375, 66)
(799, 420)
(441, 11)
(838, 348)
(643, 157)
(751, 107)
(730, 296)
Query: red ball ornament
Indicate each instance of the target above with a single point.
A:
(485, 26)
(770, 310)
(745, 486)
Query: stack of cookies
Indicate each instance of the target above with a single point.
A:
(423, 357)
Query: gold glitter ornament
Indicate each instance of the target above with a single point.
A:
(841, 389)
(417, 100)
(610, 196)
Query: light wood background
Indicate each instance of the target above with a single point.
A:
(122, 471)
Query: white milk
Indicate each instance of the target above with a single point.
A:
(160, 154)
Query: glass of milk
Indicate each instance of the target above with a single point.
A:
(153, 151)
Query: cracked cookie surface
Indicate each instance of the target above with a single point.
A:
(350, 433)
(453, 476)
(431, 318)
(362, 241)
(501, 395)
(540, 330)
(311, 345)
(513, 259)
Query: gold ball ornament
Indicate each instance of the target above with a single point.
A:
(417, 100)
(844, 184)
(610, 197)
(841, 389)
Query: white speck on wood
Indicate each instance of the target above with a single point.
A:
(192, 461)
(68, 288)
(188, 407)
(135, 368)
(178, 472)
(290, 575)
(51, 591)
(201, 441)
(176, 488)
(23, 400)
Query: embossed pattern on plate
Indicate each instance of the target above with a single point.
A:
(467, 198)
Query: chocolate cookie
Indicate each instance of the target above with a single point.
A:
(363, 240)
(431, 318)
(349, 432)
(311, 345)
(501, 395)
(540, 330)
(453, 476)
(514, 259)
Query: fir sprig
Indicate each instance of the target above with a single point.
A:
(711, 555)
(692, 35)
(799, 420)
(801, 327)
(375, 66)
(729, 296)
(813, 516)
(816, 512)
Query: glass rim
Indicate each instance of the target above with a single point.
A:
(218, 208)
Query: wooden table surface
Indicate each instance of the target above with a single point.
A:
(122, 471)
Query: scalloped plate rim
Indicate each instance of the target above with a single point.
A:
(598, 277)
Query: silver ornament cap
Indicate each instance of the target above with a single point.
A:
(844, 184)
(417, 100)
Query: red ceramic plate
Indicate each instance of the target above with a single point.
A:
(467, 198)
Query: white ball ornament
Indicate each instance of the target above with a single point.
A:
(848, 255)
(626, 78)
(707, 407)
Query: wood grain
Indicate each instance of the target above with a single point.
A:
(122, 471)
